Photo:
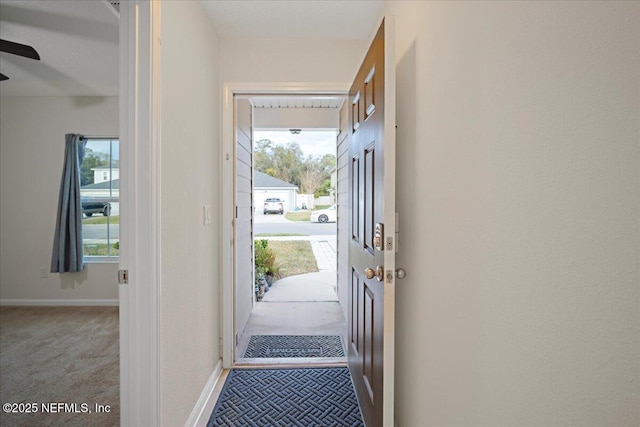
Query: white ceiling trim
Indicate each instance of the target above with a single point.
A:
(297, 102)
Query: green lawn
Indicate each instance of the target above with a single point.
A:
(294, 257)
(113, 219)
(304, 215)
(100, 249)
(279, 234)
(298, 215)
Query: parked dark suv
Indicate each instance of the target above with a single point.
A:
(90, 207)
(273, 205)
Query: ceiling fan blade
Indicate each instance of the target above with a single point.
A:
(19, 49)
(3, 77)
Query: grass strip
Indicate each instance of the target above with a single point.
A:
(280, 235)
(113, 219)
(298, 215)
(294, 257)
(100, 249)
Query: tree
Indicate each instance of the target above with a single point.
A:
(282, 162)
(262, 156)
(311, 180)
(317, 175)
(286, 162)
(91, 160)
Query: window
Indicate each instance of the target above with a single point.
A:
(99, 195)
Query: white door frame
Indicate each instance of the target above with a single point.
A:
(139, 103)
(227, 208)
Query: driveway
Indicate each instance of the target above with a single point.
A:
(278, 224)
(260, 218)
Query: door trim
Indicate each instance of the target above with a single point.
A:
(227, 208)
(389, 220)
(139, 117)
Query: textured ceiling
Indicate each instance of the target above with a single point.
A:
(299, 19)
(77, 42)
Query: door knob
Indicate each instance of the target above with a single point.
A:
(400, 273)
(378, 273)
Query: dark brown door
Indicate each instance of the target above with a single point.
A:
(372, 229)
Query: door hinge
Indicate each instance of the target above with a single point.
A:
(123, 277)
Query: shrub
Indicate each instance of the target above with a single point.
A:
(265, 259)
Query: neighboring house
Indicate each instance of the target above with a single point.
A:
(266, 186)
(101, 189)
(103, 174)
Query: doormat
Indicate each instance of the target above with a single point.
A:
(287, 397)
(264, 346)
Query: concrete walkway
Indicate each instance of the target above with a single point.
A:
(310, 287)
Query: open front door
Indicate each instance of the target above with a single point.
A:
(372, 228)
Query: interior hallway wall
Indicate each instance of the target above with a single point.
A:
(190, 287)
(290, 60)
(518, 176)
(31, 158)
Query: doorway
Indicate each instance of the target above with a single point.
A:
(287, 308)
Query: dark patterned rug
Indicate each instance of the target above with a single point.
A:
(294, 346)
(287, 397)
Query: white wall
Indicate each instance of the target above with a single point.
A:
(518, 169)
(31, 157)
(190, 287)
(290, 60)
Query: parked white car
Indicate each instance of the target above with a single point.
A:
(325, 215)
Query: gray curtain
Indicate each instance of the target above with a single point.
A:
(67, 243)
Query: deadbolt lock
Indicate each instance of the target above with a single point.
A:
(378, 237)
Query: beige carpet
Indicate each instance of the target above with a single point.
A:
(60, 354)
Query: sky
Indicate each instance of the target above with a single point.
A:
(102, 146)
(312, 143)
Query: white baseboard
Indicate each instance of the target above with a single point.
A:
(204, 406)
(60, 302)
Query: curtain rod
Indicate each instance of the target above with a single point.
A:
(97, 137)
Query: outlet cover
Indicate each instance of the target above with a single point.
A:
(44, 273)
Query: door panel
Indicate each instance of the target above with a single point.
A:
(355, 198)
(372, 202)
(369, 187)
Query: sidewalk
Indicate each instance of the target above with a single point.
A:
(309, 287)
